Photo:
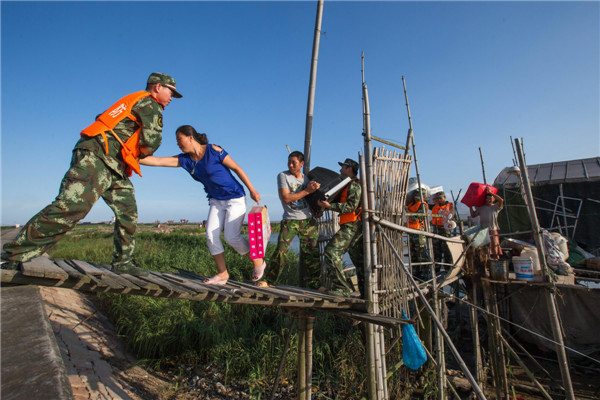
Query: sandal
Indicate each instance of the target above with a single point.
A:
(216, 280)
(258, 272)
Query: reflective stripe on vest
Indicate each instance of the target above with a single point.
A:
(109, 119)
(353, 215)
(439, 221)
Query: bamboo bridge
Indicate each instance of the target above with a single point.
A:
(93, 278)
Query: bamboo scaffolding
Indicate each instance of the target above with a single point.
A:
(495, 343)
(439, 344)
(527, 370)
(557, 330)
(438, 323)
(376, 357)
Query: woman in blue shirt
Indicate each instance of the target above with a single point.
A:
(212, 166)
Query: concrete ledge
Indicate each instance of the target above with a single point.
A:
(31, 363)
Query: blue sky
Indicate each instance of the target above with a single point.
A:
(476, 72)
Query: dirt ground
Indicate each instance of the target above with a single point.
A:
(99, 367)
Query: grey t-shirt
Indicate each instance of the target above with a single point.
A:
(488, 216)
(296, 209)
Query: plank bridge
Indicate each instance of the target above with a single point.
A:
(93, 278)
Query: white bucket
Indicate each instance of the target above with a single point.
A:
(523, 268)
(531, 252)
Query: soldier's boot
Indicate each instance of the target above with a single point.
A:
(12, 265)
(128, 267)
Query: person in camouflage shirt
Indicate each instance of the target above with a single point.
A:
(297, 219)
(99, 170)
(349, 238)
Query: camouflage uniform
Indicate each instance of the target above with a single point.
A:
(347, 239)
(94, 174)
(418, 250)
(306, 229)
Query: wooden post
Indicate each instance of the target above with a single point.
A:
(557, 331)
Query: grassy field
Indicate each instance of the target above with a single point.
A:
(244, 342)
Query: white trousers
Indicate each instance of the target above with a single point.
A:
(227, 216)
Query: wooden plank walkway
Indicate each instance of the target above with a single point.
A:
(93, 278)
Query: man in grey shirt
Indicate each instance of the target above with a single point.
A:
(488, 217)
(297, 219)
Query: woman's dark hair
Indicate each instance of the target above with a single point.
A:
(188, 130)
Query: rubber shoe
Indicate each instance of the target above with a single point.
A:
(129, 267)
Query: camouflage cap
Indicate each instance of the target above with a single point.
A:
(165, 80)
(350, 163)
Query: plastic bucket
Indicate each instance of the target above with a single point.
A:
(531, 252)
(499, 270)
(523, 268)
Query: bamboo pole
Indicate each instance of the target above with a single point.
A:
(369, 293)
(302, 389)
(311, 87)
(438, 323)
(305, 330)
(557, 330)
(376, 360)
(527, 370)
(495, 346)
(308, 342)
(482, 166)
(439, 344)
(475, 336)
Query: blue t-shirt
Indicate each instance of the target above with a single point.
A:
(219, 183)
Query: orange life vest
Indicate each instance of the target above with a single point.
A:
(109, 119)
(353, 215)
(439, 221)
(414, 222)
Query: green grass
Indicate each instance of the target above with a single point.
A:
(243, 341)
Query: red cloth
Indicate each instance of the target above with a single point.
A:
(475, 195)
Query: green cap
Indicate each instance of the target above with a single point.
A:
(165, 80)
(350, 163)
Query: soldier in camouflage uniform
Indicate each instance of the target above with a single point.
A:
(349, 238)
(98, 169)
(418, 250)
(297, 219)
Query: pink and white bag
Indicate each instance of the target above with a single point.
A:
(259, 231)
